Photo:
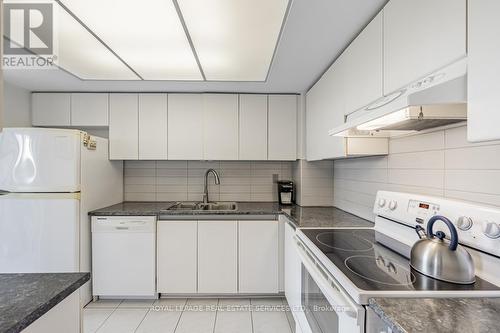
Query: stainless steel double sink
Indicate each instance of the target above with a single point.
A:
(200, 206)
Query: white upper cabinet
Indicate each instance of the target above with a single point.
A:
(51, 109)
(421, 37)
(363, 62)
(89, 109)
(153, 126)
(253, 127)
(123, 127)
(185, 126)
(483, 108)
(325, 109)
(282, 127)
(220, 114)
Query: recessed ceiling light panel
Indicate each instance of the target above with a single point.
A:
(234, 39)
(82, 54)
(147, 35)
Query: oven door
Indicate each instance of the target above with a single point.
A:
(328, 308)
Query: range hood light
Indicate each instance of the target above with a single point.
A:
(438, 100)
(384, 121)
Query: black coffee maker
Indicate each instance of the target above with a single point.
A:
(286, 192)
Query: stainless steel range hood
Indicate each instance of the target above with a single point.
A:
(437, 100)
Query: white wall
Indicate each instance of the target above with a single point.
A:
(441, 163)
(16, 106)
(313, 183)
(183, 180)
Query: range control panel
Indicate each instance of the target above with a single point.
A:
(478, 226)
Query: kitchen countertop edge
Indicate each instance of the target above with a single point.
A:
(301, 217)
(47, 305)
(389, 321)
(435, 314)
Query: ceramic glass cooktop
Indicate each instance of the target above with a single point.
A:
(374, 267)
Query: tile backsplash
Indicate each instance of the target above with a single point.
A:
(183, 180)
(440, 163)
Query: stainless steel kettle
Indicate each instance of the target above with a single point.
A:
(441, 259)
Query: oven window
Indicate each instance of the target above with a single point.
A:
(319, 313)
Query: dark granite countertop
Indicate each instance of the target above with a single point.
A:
(25, 297)
(134, 208)
(443, 315)
(302, 217)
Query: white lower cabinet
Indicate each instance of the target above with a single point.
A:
(63, 318)
(217, 257)
(177, 257)
(258, 257)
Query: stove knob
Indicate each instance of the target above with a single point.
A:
(381, 202)
(491, 230)
(464, 223)
(393, 205)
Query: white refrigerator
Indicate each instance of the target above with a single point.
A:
(51, 179)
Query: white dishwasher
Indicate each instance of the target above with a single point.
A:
(124, 256)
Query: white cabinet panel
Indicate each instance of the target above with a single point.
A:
(89, 109)
(421, 37)
(217, 257)
(363, 62)
(153, 126)
(51, 109)
(483, 107)
(220, 113)
(253, 127)
(123, 127)
(176, 258)
(63, 318)
(325, 109)
(282, 127)
(258, 256)
(185, 127)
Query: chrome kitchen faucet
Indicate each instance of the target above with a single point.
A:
(217, 182)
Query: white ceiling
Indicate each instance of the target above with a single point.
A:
(314, 34)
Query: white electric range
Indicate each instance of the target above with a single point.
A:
(343, 268)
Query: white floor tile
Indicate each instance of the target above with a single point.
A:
(104, 303)
(157, 321)
(234, 304)
(196, 322)
(270, 321)
(233, 322)
(123, 321)
(94, 318)
(234, 301)
(136, 303)
(201, 304)
(169, 304)
(271, 302)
